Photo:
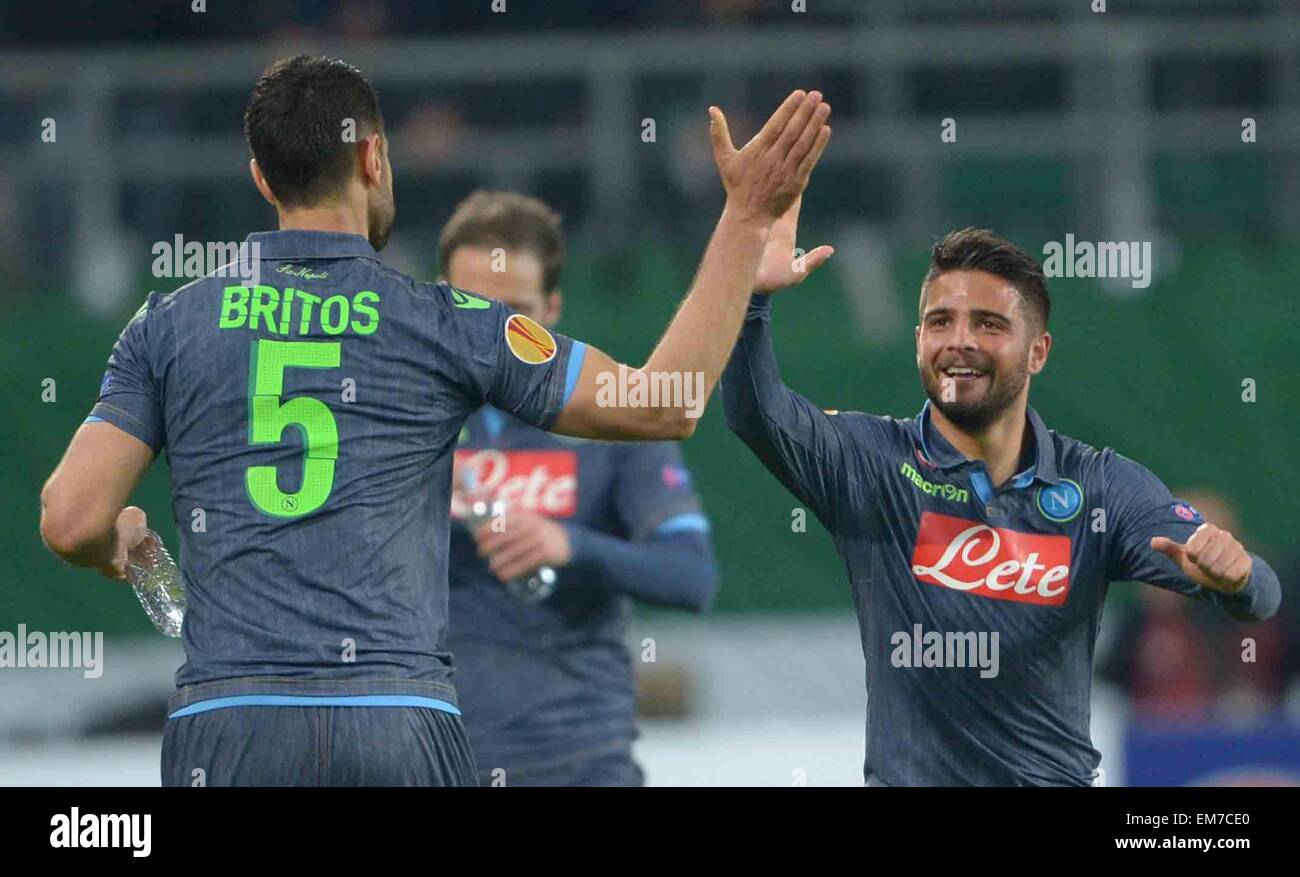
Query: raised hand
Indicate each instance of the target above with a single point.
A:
(780, 267)
(1211, 558)
(767, 175)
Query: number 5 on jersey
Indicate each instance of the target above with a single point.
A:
(268, 418)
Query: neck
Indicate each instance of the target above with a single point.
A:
(999, 446)
(339, 216)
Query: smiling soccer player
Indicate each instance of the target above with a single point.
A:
(974, 519)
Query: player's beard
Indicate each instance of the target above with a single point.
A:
(977, 415)
(381, 222)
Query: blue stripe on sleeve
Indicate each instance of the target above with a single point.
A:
(93, 419)
(688, 522)
(576, 356)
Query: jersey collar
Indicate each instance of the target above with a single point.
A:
(300, 244)
(940, 451)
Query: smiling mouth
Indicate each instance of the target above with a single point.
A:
(962, 374)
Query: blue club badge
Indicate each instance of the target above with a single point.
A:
(1060, 502)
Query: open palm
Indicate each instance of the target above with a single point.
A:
(781, 265)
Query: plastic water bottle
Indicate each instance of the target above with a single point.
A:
(532, 588)
(157, 583)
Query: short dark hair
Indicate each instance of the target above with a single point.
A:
(978, 249)
(294, 123)
(509, 220)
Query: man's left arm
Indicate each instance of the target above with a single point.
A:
(1163, 541)
(667, 555)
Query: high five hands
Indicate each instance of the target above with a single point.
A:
(768, 177)
(769, 173)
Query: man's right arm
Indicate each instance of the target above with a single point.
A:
(806, 448)
(762, 180)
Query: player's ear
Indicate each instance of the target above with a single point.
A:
(371, 159)
(260, 182)
(1038, 350)
(554, 307)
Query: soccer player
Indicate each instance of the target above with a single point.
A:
(546, 686)
(310, 422)
(979, 543)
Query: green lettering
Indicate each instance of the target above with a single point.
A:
(234, 307)
(367, 310)
(304, 322)
(265, 300)
(286, 307)
(270, 416)
(328, 323)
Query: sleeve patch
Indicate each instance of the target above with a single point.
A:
(675, 476)
(529, 341)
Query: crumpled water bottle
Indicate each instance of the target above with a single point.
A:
(532, 588)
(157, 583)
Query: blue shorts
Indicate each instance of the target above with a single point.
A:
(317, 746)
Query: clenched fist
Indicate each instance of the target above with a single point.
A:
(130, 530)
(1211, 558)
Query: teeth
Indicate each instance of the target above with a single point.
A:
(960, 371)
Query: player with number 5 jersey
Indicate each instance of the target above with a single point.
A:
(309, 418)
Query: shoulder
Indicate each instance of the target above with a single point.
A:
(881, 431)
(463, 311)
(1104, 469)
(1078, 457)
(444, 296)
(144, 321)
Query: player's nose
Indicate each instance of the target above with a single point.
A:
(962, 337)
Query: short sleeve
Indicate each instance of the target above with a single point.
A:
(129, 396)
(654, 494)
(509, 360)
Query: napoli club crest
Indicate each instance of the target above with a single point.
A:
(1060, 502)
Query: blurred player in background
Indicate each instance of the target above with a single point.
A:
(317, 588)
(546, 683)
(979, 544)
